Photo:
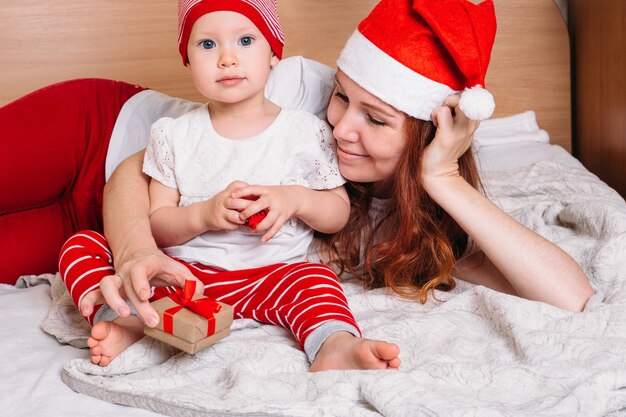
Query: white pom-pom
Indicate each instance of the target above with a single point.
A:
(477, 103)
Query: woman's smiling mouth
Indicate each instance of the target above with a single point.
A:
(346, 155)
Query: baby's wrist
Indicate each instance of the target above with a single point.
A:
(202, 218)
(299, 199)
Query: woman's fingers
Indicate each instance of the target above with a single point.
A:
(452, 101)
(134, 284)
(471, 127)
(446, 112)
(443, 121)
(112, 289)
(156, 269)
(89, 301)
(461, 122)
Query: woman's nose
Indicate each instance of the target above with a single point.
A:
(344, 128)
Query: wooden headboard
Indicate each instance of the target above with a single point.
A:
(42, 42)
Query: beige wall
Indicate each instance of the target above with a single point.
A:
(43, 41)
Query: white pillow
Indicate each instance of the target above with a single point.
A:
(301, 83)
(295, 83)
(520, 127)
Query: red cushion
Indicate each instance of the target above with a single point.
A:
(54, 143)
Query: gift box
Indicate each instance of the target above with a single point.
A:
(190, 322)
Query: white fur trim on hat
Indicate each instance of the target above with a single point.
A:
(389, 80)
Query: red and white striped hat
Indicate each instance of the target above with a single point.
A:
(263, 13)
(413, 54)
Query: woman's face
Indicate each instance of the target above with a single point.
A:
(369, 133)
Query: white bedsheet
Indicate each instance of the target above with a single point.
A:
(480, 353)
(31, 362)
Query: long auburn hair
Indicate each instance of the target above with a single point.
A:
(412, 246)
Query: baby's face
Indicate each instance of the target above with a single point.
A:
(229, 58)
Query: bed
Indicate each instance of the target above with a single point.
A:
(477, 353)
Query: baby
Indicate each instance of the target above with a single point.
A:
(240, 158)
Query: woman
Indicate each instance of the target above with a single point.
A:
(411, 236)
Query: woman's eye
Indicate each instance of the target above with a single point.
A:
(341, 96)
(375, 121)
(207, 44)
(246, 41)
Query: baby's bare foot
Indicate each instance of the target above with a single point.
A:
(110, 338)
(342, 350)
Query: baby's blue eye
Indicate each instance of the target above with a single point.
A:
(207, 44)
(246, 41)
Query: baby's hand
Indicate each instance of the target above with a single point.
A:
(222, 211)
(256, 218)
(278, 201)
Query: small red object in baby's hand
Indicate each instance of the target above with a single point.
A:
(256, 218)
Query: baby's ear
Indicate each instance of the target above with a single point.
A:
(274, 61)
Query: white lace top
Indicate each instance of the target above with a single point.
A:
(187, 154)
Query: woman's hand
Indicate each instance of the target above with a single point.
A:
(133, 281)
(452, 139)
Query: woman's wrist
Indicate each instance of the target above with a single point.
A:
(137, 242)
(439, 186)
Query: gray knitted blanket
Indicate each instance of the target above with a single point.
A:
(477, 353)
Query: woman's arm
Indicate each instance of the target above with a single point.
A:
(138, 261)
(533, 267)
(171, 225)
(517, 259)
(125, 211)
(478, 269)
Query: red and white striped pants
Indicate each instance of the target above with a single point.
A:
(299, 297)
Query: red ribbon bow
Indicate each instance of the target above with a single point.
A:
(204, 307)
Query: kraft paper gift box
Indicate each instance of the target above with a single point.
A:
(190, 331)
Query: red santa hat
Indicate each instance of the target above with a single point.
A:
(412, 54)
(263, 13)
